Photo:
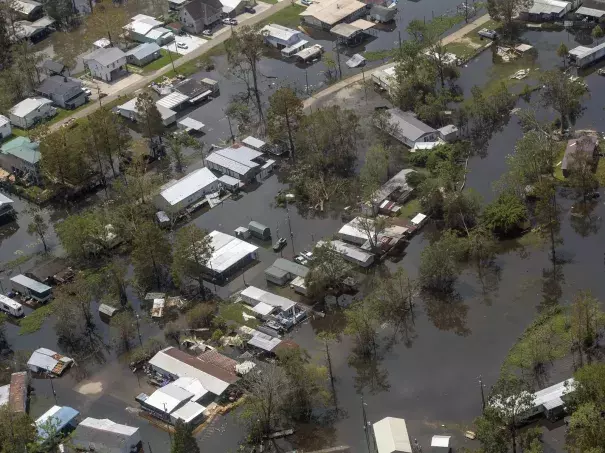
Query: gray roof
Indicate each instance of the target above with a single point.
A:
(144, 50)
(586, 144)
(105, 56)
(30, 283)
(199, 9)
(57, 85)
(276, 272)
(409, 126)
(105, 435)
(291, 267)
(54, 66)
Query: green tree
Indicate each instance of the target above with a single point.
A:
(192, 252)
(586, 430)
(327, 271)
(597, 33)
(506, 10)
(108, 137)
(4, 344)
(284, 117)
(362, 324)
(62, 11)
(548, 213)
(38, 225)
(590, 385)
(581, 170)
(150, 255)
(563, 95)
(17, 432)
(106, 20)
(393, 300)
(123, 330)
(374, 172)
(84, 235)
(461, 210)
(201, 315)
(438, 269)
(63, 157)
(431, 198)
(505, 215)
(563, 53)
(149, 117)
(184, 441)
(244, 52)
(586, 322)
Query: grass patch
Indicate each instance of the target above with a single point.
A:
(16, 262)
(271, 2)
(410, 209)
(34, 321)
(532, 239)
(288, 17)
(377, 55)
(160, 62)
(234, 312)
(558, 173)
(601, 172)
(461, 50)
(197, 64)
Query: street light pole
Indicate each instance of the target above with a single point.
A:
(138, 328)
(366, 425)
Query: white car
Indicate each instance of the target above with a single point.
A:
(182, 45)
(207, 32)
(228, 21)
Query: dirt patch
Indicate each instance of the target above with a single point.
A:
(469, 42)
(90, 388)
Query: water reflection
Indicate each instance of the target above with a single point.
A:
(447, 312)
(584, 220)
(372, 377)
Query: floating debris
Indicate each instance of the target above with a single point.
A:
(520, 74)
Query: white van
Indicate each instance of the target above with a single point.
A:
(10, 306)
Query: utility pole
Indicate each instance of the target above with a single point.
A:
(138, 328)
(171, 60)
(230, 128)
(52, 386)
(365, 88)
(307, 82)
(482, 394)
(290, 227)
(366, 425)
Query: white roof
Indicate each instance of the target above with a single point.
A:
(25, 7)
(9, 302)
(263, 309)
(228, 250)
(102, 43)
(190, 411)
(190, 123)
(230, 181)
(425, 145)
(548, 7)
(279, 32)
(28, 105)
(140, 27)
(131, 106)
(158, 33)
(4, 394)
(399, 181)
(230, 5)
(43, 358)
(299, 282)
(144, 18)
(392, 436)
(237, 159)
(195, 181)
(264, 341)
(418, 219)
(253, 142)
(554, 393)
(30, 283)
(104, 424)
(440, 441)
(583, 51)
(168, 398)
(4, 120)
(333, 11)
(590, 12)
(268, 298)
(352, 252)
(193, 386)
(353, 229)
(179, 368)
(173, 100)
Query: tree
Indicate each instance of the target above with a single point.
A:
(562, 94)
(6, 20)
(586, 322)
(374, 172)
(438, 269)
(109, 137)
(184, 441)
(84, 235)
(590, 385)
(172, 332)
(149, 117)
(192, 252)
(106, 20)
(63, 157)
(62, 11)
(362, 323)
(393, 299)
(431, 197)
(586, 430)
(581, 169)
(284, 116)
(38, 225)
(114, 276)
(563, 53)
(548, 213)
(201, 315)
(505, 10)
(123, 330)
(327, 270)
(150, 255)
(176, 143)
(461, 210)
(244, 51)
(4, 344)
(505, 215)
(17, 432)
(597, 33)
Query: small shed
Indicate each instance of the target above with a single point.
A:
(284, 270)
(441, 444)
(382, 14)
(143, 54)
(256, 144)
(189, 124)
(229, 182)
(107, 310)
(259, 230)
(391, 435)
(242, 232)
(448, 133)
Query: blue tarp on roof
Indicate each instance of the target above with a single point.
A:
(54, 420)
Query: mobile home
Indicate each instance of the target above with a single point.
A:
(260, 231)
(31, 288)
(10, 306)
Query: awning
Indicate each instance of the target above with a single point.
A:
(191, 124)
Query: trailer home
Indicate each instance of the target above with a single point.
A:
(29, 287)
(8, 305)
(260, 231)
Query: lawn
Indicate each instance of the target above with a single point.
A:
(234, 312)
(462, 50)
(34, 321)
(271, 2)
(61, 114)
(160, 62)
(195, 65)
(410, 209)
(601, 172)
(288, 17)
(558, 172)
(377, 55)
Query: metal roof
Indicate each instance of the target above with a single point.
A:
(418, 219)
(193, 386)
(408, 125)
(291, 267)
(107, 309)
(237, 159)
(157, 33)
(25, 6)
(143, 50)
(548, 7)
(260, 295)
(362, 24)
(279, 32)
(30, 283)
(229, 181)
(173, 100)
(5, 200)
(28, 105)
(263, 309)
(54, 66)
(227, 163)
(168, 398)
(131, 106)
(253, 142)
(355, 61)
(227, 251)
(105, 56)
(592, 12)
(264, 341)
(397, 182)
(583, 51)
(22, 148)
(46, 359)
(142, 24)
(554, 393)
(350, 251)
(345, 30)
(190, 123)
(276, 272)
(58, 417)
(391, 436)
(104, 435)
(189, 412)
(9, 302)
(194, 182)
(333, 11)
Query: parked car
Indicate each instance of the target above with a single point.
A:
(207, 32)
(228, 21)
(308, 255)
(279, 244)
(487, 33)
(306, 2)
(249, 9)
(87, 91)
(182, 45)
(301, 260)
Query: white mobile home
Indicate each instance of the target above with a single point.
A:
(351, 253)
(44, 360)
(279, 36)
(101, 435)
(253, 296)
(178, 195)
(8, 305)
(228, 255)
(31, 288)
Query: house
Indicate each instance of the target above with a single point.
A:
(279, 36)
(448, 133)
(284, 270)
(256, 144)
(197, 89)
(55, 421)
(5, 127)
(15, 394)
(28, 287)
(32, 31)
(172, 101)
(175, 196)
(391, 435)
(107, 436)
(64, 92)
(106, 64)
(52, 67)
(382, 14)
(176, 5)
(405, 127)
(232, 8)
(174, 363)
(360, 231)
(6, 208)
(328, 13)
(229, 254)
(240, 162)
(46, 361)
(543, 10)
(27, 9)
(21, 156)
(143, 54)
(395, 188)
(582, 56)
(198, 15)
(140, 25)
(350, 253)
(129, 110)
(586, 145)
(31, 111)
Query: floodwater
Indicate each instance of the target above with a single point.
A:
(432, 379)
